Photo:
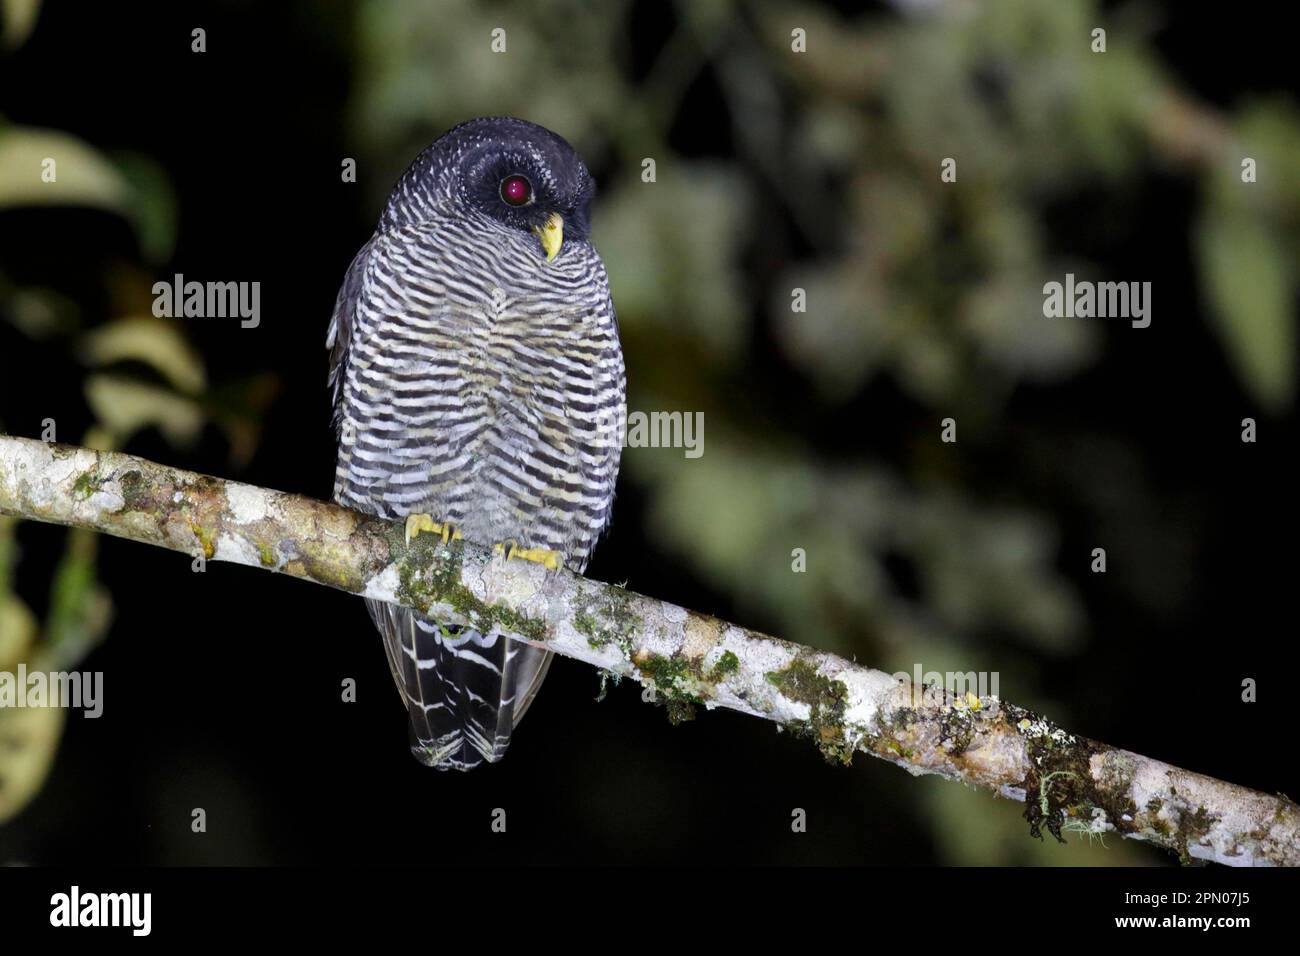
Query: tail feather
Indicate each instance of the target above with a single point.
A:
(465, 693)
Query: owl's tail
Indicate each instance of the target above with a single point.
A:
(465, 693)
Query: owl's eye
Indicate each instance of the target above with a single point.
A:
(516, 190)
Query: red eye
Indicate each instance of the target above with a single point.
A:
(516, 190)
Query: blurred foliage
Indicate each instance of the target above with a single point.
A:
(140, 372)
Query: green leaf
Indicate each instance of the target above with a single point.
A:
(155, 342)
(1247, 275)
(19, 18)
(153, 205)
(82, 176)
(29, 738)
(17, 623)
(124, 407)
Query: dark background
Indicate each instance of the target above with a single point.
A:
(222, 689)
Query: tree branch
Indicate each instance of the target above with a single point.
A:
(1069, 783)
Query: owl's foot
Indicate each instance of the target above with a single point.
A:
(547, 559)
(418, 524)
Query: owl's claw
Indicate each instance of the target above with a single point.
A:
(419, 523)
(548, 559)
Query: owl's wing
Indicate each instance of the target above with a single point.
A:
(339, 339)
(339, 343)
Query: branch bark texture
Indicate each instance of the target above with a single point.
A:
(1068, 783)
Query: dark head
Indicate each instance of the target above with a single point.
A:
(518, 173)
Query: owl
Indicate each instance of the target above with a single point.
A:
(479, 392)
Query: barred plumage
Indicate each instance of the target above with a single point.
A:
(483, 385)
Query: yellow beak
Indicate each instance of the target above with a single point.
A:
(552, 235)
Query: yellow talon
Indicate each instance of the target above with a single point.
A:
(548, 559)
(417, 524)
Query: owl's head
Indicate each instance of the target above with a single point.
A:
(518, 174)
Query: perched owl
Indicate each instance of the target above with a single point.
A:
(479, 391)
